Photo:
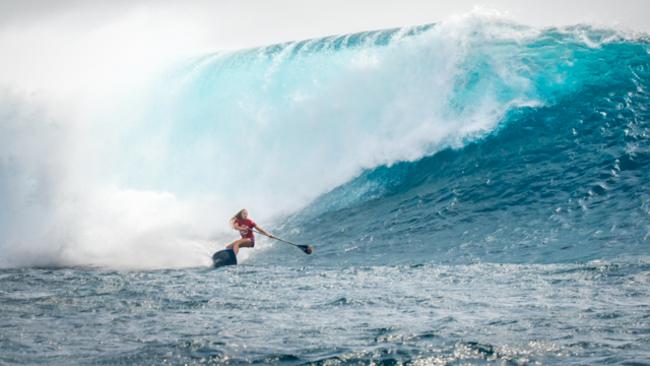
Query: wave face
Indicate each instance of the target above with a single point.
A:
(566, 180)
(278, 117)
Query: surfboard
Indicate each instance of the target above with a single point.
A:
(224, 257)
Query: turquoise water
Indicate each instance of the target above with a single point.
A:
(477, 193)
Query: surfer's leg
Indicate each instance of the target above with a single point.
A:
(246, 243)
(235, 245)
(231, 245)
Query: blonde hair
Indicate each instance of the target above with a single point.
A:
(236, 217)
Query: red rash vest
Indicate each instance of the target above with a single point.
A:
(248, 234)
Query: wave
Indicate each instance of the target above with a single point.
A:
(560, 182)
(279, 116)
(430, 140)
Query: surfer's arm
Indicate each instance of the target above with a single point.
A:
(239, 227)
(264, 232)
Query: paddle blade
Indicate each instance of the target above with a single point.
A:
(308, 249)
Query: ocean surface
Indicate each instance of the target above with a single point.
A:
(477, 192)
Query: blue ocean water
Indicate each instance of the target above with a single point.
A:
(477, 193)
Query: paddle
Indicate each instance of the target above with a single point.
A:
(308, 249)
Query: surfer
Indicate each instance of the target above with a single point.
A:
(245, 226)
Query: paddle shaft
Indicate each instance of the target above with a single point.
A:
(282, 240)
